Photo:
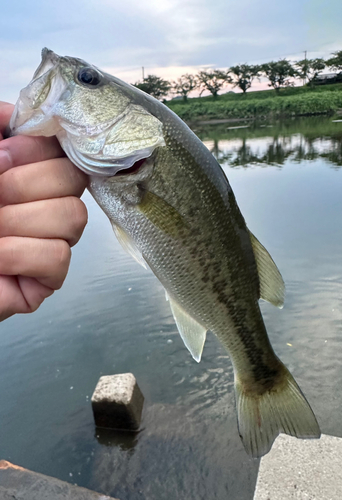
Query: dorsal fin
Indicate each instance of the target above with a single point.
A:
(272, 287)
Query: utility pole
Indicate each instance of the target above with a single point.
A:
(143, 73)
(304, 80)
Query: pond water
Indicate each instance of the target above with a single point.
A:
(111, 317)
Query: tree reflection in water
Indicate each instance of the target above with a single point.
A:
(305, 139)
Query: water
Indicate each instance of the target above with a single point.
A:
(111, 317)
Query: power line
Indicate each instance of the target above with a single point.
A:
(287, 55)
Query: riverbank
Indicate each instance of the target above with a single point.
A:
(298, 101)
(301, 469)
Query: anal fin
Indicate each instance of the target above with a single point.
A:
(193, 333)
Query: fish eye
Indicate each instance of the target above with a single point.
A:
(89, 76)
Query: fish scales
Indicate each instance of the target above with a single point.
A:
(196, 256)
(173, 209)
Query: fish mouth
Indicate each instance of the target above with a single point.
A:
(49, 60)
(22, 118)
(103, 148)
(33, 109)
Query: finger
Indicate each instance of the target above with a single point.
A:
(6, 110)
(46, 260)
(20, 294)
(40, 181)
(34, 292)
(23, 149)
(63, 218)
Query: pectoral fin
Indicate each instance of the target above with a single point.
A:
(163, 215)
(272, 287)
(193, 333)
(129, 245)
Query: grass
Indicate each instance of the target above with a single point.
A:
(293, 101)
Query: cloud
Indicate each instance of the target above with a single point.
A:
(163, 34)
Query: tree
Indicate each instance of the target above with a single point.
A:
(336, 61)
(310, 68)
(184, 85)
(278, 73)
(155, 86)
(212, 80)
(243, 76)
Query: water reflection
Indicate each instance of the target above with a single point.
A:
(111, 317)
(177, 456)
(125, 440)
(273, 145)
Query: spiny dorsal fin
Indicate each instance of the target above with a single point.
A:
(129, 245)
(272, 287)
(193, 333)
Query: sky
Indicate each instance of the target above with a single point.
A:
(167, 37)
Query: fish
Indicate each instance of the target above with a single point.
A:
(173, 210)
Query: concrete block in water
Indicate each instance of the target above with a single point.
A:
(17, 483)
(117, 402)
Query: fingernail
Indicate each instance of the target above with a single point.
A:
(5, 161)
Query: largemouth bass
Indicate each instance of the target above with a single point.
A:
(173, 210)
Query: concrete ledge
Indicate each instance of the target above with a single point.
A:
(17, 483)
(301, 469)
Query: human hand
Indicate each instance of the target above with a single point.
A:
(41, 217)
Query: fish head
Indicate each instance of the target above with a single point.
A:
(96, 117)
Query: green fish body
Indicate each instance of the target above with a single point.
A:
(173, 210)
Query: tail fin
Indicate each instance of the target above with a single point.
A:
(282, 409)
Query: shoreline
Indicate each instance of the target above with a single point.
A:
(203, 120)
(234, 109)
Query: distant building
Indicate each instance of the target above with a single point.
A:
(328, 78)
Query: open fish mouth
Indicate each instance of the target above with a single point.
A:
(49, 60)
(34, 108)
(115, 140)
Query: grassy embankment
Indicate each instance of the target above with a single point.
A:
(294, 101)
